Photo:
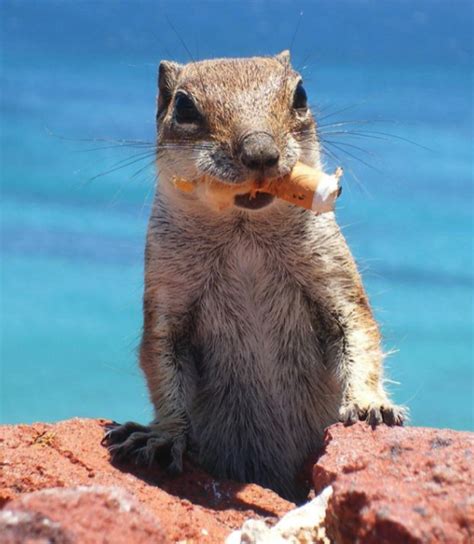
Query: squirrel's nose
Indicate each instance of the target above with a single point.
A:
(259, 151)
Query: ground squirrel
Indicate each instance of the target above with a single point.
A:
(257, 330)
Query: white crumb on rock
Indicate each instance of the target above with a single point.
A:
(303, 525)
(11, 518)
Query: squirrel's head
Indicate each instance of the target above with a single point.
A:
(235, 120)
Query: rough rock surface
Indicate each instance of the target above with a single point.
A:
(388, 485)
(393, 485)
(192, 507)
(83, 514)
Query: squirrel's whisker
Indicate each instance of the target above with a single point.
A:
(372, 153)
(119, 166)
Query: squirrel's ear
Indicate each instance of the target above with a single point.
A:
(168, 74)
(284, 57)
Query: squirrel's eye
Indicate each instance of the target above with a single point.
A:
(300, 99)
(185, 110)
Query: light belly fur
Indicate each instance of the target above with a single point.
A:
(256, 335)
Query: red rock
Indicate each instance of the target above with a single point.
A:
(193, 506)
(397, 485)
(87, 514)
(391, 485)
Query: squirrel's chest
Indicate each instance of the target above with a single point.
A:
(250, 305)
(249, 275)
(239, 291)
(248, 279)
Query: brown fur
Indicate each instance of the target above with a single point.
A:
(257, 330)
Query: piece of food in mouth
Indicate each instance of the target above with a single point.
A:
(304, 186)
(308, 188)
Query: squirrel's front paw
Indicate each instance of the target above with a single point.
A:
(374, 413)
(143, 445)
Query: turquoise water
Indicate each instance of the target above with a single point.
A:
(71, 255)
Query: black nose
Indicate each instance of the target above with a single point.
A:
(259, 151)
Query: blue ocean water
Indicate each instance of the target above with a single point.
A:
(72, 239)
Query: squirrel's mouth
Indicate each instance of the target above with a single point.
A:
(253, 202)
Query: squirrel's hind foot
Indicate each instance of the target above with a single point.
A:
(143, 445)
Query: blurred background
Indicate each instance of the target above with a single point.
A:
(391, 86)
